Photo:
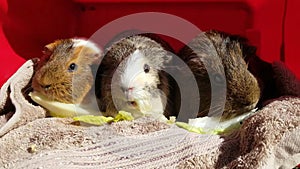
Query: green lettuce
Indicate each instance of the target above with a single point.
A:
(213, 125)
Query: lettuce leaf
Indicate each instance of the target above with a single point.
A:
(101, 120)
(95, 120)
(58, 109)
(213, 125)
(123, 115)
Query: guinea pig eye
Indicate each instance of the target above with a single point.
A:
(72, 67)
(146, 68)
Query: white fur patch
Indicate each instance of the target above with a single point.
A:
(134, 67)
(86, 43)
(142, 85)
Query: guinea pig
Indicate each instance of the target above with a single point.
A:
(65, 72)
(216, 60)
(131, 77)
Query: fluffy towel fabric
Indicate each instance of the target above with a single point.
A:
(268, 139)
(15, 110)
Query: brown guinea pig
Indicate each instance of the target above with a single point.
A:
(65, 72)
(217, 62)
(131, 77)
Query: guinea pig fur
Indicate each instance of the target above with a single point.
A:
(130, 77)
(65, 72)
(221, 55)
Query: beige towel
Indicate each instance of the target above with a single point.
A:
(269, 139)
(15, 108)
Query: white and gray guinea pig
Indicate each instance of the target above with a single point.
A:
(131, 77)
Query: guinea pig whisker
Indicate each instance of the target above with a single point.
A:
(212, 110)
(105, 75)
(120, 98)
(140, 93)
(206, 110)
(27, 90)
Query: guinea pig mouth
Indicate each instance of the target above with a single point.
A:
(132, 103)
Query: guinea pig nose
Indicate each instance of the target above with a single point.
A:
(126, 89)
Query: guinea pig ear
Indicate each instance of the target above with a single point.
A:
(48, 49)
(91, 52)
(93, 56)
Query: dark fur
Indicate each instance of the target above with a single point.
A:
(242, 87)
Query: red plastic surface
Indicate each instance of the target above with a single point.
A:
(10, 61)
(27, 25)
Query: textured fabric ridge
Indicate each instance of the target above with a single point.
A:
(268, 139)
(163, 149)
(21, 111)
